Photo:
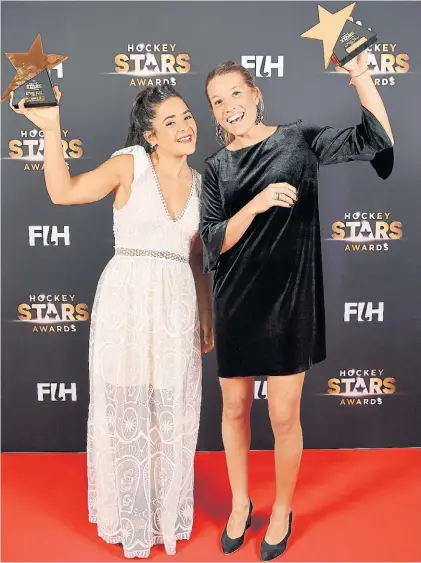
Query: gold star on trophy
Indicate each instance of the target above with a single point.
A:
(342, 39)
(32, 80)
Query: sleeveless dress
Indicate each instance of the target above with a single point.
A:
(145, 373)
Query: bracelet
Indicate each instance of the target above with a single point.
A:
(361, 73)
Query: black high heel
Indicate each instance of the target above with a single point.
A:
(272, 551)
(229, 545)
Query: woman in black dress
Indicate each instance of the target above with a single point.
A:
(261, 235)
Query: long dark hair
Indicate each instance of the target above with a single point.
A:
(144, 111)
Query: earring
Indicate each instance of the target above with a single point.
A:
(259, 114)
(220, 134)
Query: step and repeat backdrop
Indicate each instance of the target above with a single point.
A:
(367, 393)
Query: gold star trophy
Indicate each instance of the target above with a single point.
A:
(342, 39)
(32, 80)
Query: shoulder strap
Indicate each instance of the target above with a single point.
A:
(140, 159)
(197, 181)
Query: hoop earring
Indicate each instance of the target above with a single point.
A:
(259, 114)
(220, 134)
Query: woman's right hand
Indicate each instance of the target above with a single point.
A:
(46, 118)
(274, 195)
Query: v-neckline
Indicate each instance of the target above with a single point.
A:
(180, 216)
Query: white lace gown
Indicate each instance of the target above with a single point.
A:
(145, 373)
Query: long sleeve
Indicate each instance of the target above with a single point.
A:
(213, 222)
(366, 141)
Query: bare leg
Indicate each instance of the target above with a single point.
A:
(284, 396)
(237, 394)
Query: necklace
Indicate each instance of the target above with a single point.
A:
(162, 196)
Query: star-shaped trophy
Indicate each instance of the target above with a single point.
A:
(342, 39)
(32, 79)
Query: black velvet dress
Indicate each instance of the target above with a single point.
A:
(268, 301)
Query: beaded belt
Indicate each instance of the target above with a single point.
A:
(153, 253)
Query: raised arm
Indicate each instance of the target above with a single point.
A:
(84, 188)
(370, 140)
(367, 92)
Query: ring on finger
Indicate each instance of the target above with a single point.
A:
(276, 196)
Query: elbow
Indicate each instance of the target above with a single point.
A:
(383, 162)
(382, 143)
(57, 200)
(60, 198)
(389, 141)
(60, 192)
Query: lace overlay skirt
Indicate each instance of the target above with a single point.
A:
(145, 393)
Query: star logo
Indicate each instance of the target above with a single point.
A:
(150, 67)
(30, 64)
(328, 29)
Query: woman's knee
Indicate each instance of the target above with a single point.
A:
(236, 406)
(284, 398)
(284, 418)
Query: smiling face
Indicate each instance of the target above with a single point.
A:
(174, 129)
(233, 102)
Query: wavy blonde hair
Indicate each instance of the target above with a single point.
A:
(227, 68)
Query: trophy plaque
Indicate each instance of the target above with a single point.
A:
(342, 39)
(32, 79)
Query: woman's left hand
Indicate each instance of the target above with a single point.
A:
(357, 65)
(207, 329)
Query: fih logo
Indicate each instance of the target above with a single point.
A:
(263, 65)
(364, 312)
(50, 236)
(30, 148)
(367, 231)
(361, 387)
(385, 62)
(52, 313)
(58, 72)
(261, 389)
(56, 391)
(151, 64)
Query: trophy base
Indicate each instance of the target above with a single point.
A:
(38, 92)
(352, 41)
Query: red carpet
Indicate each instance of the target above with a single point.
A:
(349, 506)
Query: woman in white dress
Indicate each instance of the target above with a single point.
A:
(145, 343)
